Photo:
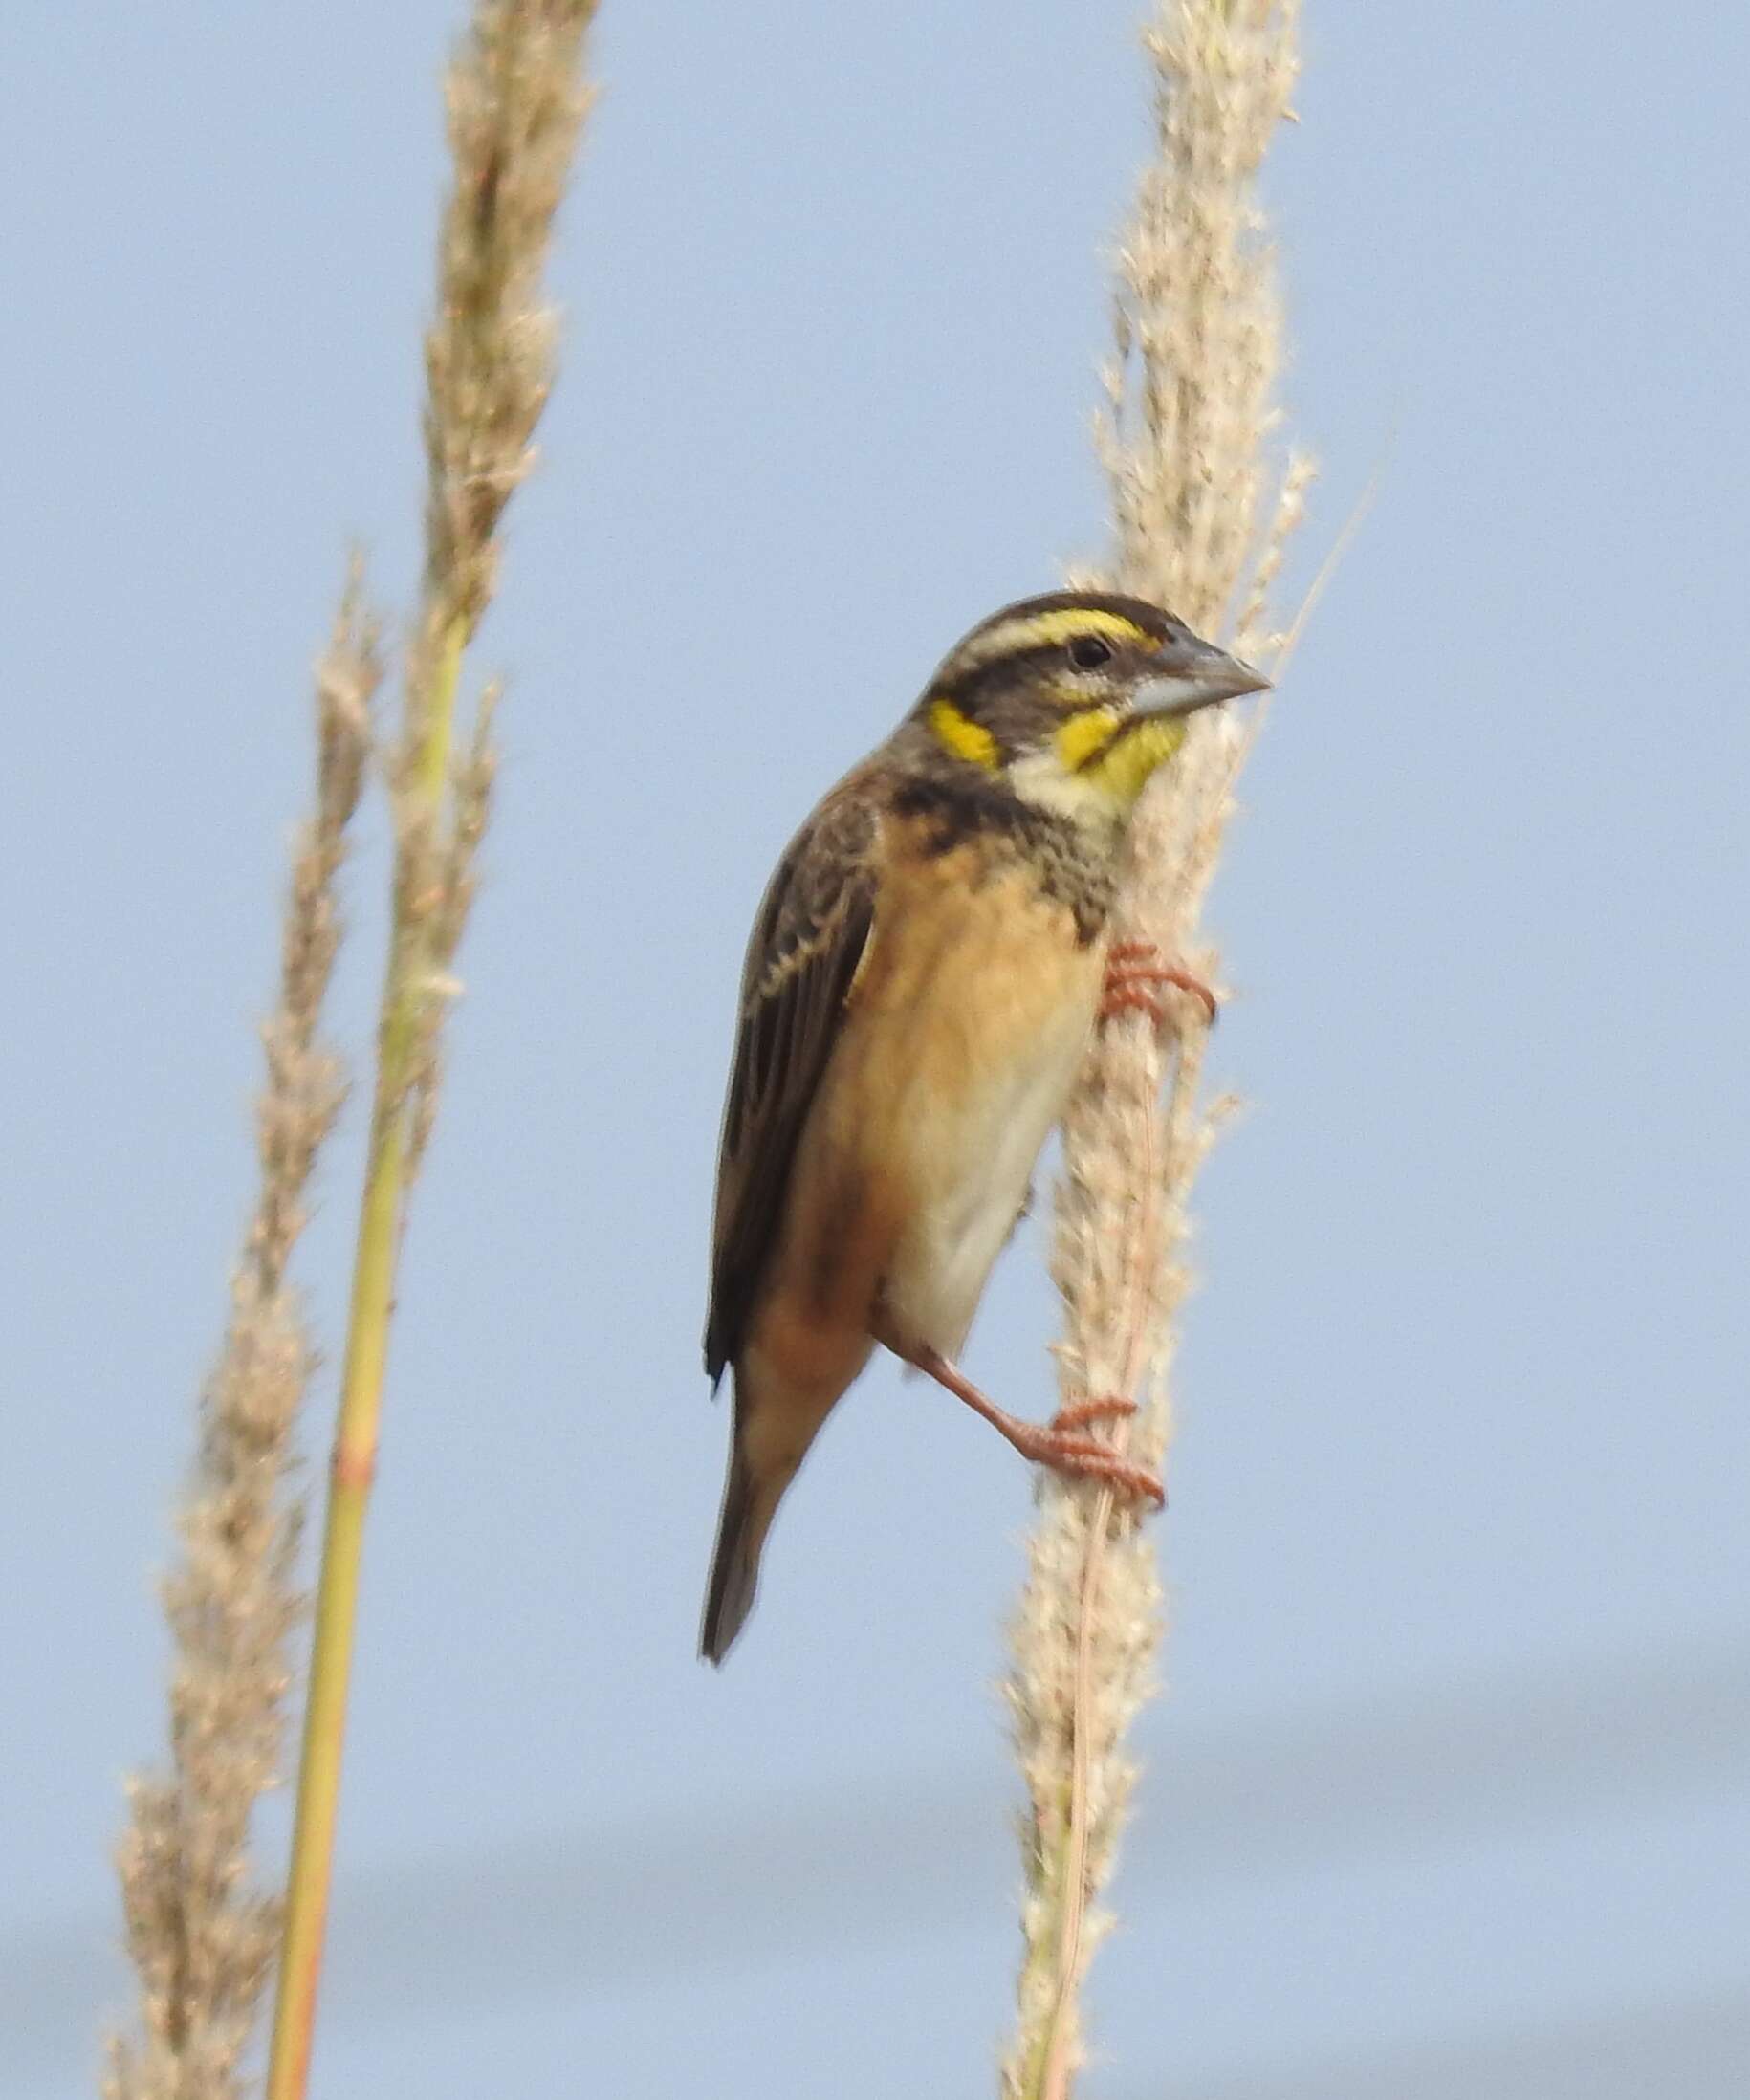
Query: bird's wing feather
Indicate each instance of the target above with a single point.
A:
(808, 940)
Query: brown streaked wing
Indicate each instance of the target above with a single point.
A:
(808, 939)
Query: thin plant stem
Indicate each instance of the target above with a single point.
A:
(200, 1931)
(355, 1452)
(515, 105)
(1186, 440)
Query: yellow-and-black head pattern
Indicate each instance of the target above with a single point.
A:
(1074, 700)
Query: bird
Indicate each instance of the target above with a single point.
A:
(923, 977)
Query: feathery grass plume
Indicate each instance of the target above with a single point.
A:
(1183, 437)
(515, 105)
(200, 1934)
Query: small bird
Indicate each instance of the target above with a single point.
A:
(924, 973)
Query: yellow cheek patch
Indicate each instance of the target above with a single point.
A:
(960, 734)
(1085, 735)
(1134, 758)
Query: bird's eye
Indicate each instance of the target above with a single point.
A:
(1087, 652)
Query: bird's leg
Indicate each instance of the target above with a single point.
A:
(1057, 1443)
(1135, 972)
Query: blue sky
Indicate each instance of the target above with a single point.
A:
(1460, 1660)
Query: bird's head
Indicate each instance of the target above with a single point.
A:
(1074, 700)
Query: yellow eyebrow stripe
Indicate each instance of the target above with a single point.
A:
(1044, 631)
(960, 734)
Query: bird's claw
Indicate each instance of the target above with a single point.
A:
(1061, 1446)
(1135, 972)
(1077, 1415)
(1088, 1458)
(1059, 1443)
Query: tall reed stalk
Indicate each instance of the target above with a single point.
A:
(203, 1940)
(201, 1934)
(1185, 437)
(516, 106)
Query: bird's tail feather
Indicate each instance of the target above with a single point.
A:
(775, 1424)
(734, 1568)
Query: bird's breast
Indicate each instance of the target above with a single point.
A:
(968, 1023)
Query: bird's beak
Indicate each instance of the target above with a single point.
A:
(1190, 674)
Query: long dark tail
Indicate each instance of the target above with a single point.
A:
(734, 1568)
(775, 1425)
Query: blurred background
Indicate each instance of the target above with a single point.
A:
(1447, 1798)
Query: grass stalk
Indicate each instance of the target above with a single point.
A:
(1186, 440)
(356, 1438)
(200, 1932)
(515, 105)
